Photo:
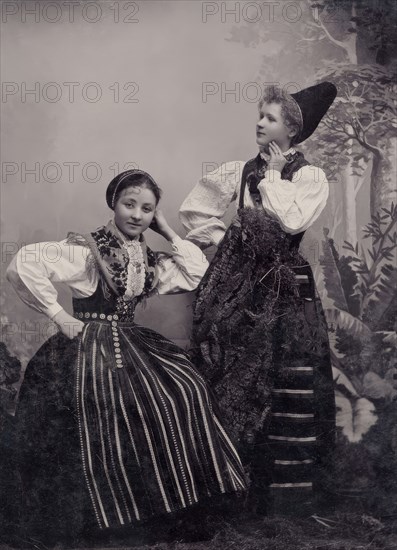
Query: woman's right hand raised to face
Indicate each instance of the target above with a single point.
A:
(67, 324)
(277, 159)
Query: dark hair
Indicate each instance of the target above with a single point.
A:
(290, 110)
(130, 178)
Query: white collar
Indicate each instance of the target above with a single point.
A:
(266, 156)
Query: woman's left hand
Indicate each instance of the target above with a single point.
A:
(277, 159)
(160, 225)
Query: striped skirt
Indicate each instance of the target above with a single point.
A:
(150, 439)
(293, 453)
(113, 428)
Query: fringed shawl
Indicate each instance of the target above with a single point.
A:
(111, 259)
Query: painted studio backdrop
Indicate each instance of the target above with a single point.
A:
(92, 88)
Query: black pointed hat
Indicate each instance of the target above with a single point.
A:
(313, 103)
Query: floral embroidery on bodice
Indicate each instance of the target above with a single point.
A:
(127, 274)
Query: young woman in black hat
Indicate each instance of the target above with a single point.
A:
(114, 425)
(259, 334)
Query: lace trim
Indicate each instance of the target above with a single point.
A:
(136, 273)
(135, 270)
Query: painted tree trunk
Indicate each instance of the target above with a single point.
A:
(388, 191)
(349, 200)
(377, 183)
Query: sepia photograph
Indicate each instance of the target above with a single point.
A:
(198, 283)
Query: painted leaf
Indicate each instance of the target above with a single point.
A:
(376, 387)
(349, 323)
(385, 296)
(355, 417)
(340, 379)
(332, 277)
(390, 337)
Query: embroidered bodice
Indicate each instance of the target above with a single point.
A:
(98, 267)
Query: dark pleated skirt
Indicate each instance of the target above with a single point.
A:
(112, 428)
(292, 454)
(260, 337)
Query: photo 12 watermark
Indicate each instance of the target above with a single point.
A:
(237, 92)
(223, 171)
(69, 11)
(266, 12)
(50, 252)
(27, 332)
(68, 171)
(231, 172)
(69, 92)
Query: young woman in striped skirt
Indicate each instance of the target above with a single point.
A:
(114, 425)
(259, 334)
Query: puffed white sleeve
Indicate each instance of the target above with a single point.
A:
(182, 270)
(298, 203)
(202, 211)
(35, 268)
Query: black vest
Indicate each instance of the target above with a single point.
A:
(254, 171)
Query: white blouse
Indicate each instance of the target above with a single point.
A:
(36, 266)
(295, 204)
